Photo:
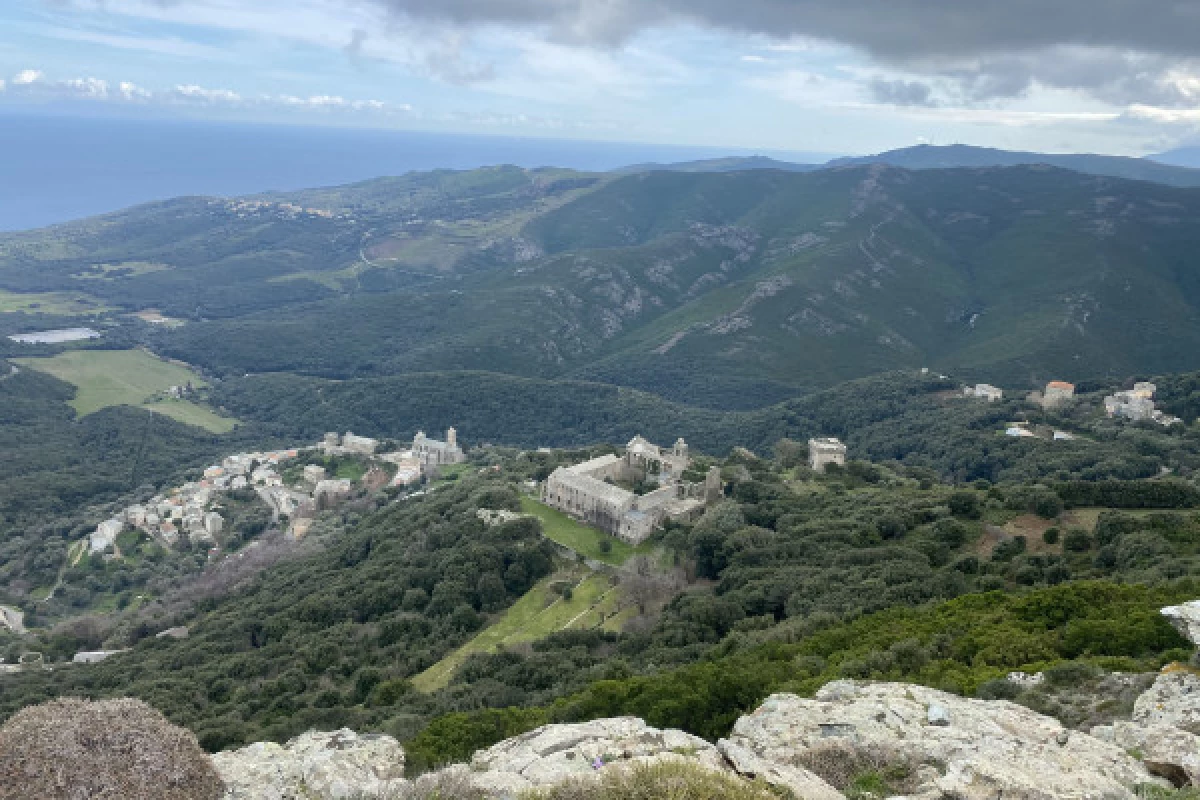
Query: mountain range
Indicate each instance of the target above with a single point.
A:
(714, 288)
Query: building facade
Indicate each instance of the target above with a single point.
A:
(588, 491)
(825, 451)
(435, 453)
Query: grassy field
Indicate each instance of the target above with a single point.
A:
(49, 303)
(580, 538)
(105, 378)
(540, 612)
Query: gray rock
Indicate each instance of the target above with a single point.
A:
(1186, 619)
(801, 782)
(314, 766)
(554, 754)
(992, 749)
(1167, 752)
(937, 715)
(1173, 701)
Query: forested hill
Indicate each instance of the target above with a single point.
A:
(726, 290)
(927, 156)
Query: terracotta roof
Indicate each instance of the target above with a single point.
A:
(1060, 385)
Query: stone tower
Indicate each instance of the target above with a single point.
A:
(451, 438)
(681, 449)
(712, 485)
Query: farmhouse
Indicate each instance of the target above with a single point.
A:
(588, 491)
(1057, 393)
(984, 391)
(825, 451)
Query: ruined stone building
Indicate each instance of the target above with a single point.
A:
(588, 491)
(825, 451)
(434, 453)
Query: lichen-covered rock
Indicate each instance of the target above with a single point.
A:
(987, 749)
(553, 754)
(1168, 752)
(314, 766)
(1173, 701)
(1186, 619)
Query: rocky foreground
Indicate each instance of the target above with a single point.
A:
(946, 746)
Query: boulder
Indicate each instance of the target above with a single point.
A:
(553, 754)
(1173, 701)
(314, 766)
(1186, 619)
(977, 749)
(799, 781)
(1167, 752)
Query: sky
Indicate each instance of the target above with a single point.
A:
(826, 76)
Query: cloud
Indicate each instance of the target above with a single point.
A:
(1119, 51)
(901, 92)
(27, 77)
(199, 94)
(909, 30)
(92, 88)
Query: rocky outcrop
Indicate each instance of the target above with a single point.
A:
(1186, 619)
(328, 766)
(1173, 701)
(956, 747)
(554, 754)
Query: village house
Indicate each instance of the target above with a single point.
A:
(825, 451)
(1057, 393)
(105, 535)
(984, 391)
(589, 491)
(360, 445)
(314, 474)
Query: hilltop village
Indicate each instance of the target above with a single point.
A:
(195, 509)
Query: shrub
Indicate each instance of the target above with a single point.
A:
(1077, 540)
(964, 504)
(123, 748)
(667, 780)
(1050, 536)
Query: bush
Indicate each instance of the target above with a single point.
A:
(1050, 536)
(668, 780)
(123, 748)
(964, 504)
(1077, 540)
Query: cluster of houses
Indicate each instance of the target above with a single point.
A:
(1137, 404)
(1134, 404)
(192, 509)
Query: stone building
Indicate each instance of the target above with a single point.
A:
(588, 491)
(361, 445)
(984, 391)
(1057, 393)
(825, 451)
(434, 453)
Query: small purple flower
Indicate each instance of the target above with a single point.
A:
(598, 763)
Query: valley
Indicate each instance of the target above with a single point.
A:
(253, 577)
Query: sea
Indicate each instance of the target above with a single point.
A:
(59, 168)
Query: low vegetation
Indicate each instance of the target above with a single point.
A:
(123, 749)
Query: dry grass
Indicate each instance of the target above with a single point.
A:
(73, 749)
(862, 772)
(664, 781)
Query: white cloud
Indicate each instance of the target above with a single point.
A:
(3, 85)
(754, 59)
(131, 92)
(190, 92)
(27, 77)
(93, 88)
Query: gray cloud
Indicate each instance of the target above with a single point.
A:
(901, 93)
(1117, 49)
(903, 30)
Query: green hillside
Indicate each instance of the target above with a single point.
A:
(730, 290)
